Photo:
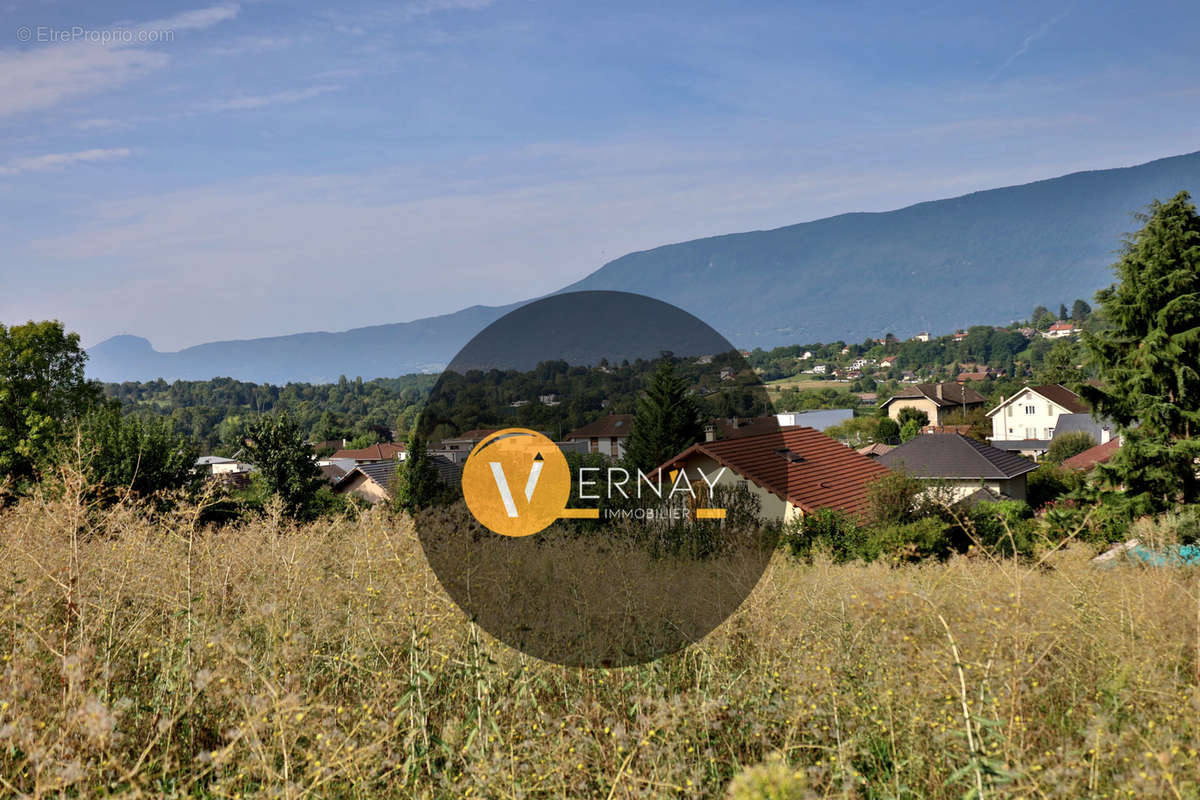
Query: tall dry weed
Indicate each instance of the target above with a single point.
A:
(150, 656)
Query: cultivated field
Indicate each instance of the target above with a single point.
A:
(803, 383)
(325, 661)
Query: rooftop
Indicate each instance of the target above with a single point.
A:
(1055, 393)
(952, 455)
(381, 472)
(952, 394)
(1093, 455)
(801, 465)
(612, 426)
(385, 451)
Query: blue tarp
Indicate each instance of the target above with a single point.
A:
(1174, 556)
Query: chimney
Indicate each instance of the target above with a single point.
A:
(710, 432)
(939, 391)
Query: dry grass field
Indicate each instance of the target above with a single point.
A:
(167, 659)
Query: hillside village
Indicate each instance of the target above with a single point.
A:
(802, 468)
(977, 429)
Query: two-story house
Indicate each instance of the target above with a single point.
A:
(937, 400)
(607, 435)
(1027, 421)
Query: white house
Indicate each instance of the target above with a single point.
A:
(218, 465)
(1061, 330)
(1027, 421)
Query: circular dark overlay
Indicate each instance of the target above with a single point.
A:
(621, 589)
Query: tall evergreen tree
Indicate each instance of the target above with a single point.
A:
(1149, 357)
(1080, 311)
(667, 420)
(417, 484)
(1059, 365)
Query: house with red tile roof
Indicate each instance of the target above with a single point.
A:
(793, 471)
(384, 451)
(1093, 456)
(1061, 330)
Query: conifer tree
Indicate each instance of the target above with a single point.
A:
(1148, 357)
(666, 422)
(417, 483)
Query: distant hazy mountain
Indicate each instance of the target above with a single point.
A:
(424, 345)
(984, 258)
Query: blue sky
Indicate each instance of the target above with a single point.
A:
(249, 169)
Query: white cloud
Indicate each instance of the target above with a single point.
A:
(244, 102)
(363, 23)
(197, 19)
(423, 8)
(253, 44)
(61, 160)
(43, 77)
(101, 124)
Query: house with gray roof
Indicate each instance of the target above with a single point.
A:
(961, 465)
(373, 481)
(1101, 430)
(937, 400)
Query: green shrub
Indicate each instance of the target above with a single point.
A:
(1179, 527)
(911, 414)
(1005, 527)
(909, 541)
(846, 540)
(823, 528)
(1110, 519)
(892, 498)
(1187, 530)
(1049, 482)
(1069, 444)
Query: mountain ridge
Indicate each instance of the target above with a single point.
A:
(985, 257)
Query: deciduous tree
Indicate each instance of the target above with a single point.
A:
(42, 391)
(285, 463)
(140, 454)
